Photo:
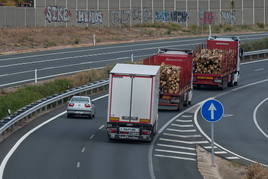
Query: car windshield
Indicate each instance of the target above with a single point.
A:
(80, 100)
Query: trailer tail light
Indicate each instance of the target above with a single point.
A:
(87, 105)
(145, 120)
(112, 130)
(146, 132)
(71, 105)
(166, 97)
(114, 119)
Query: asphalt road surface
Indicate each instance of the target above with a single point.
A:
(79, 148)
(20, 68)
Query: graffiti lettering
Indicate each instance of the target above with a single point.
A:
(171, 16)
(145, 14)
(90, 17)
(120, 17)
(207, 17)
(57, 14)
(228, 17)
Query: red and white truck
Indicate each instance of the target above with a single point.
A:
(133, 102)
(184, 60)
(229, 67)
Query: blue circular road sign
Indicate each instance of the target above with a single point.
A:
(212, 110)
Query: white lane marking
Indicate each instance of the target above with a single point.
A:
(232, 158)
(174, 157)
(255, 117)
(179, 120)
(83, 150)
(220, 152)
(209, 139)
(91, 137)
(187, 116)
(228, 115)
(182, 136)
(182, 125)
(197, 106)
(82, 56)
(184, 142)
(17, 144)
(71, 65)
(50, 76)
(258, 69)
(177, 130)
(102, 126)
(187, 130)
(102, 48)
(175, 152)
(176, 147)
(209, 147)
(13, 149)
(255, 61)
(78, 165)
(101, 97)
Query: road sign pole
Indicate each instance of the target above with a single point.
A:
(212, 145)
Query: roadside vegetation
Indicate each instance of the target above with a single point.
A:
(20, 39)
(255, 45)
(27, 94)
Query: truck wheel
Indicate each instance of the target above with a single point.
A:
(68, 115)
(235, 83)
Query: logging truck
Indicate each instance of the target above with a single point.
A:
(217, 64)
(133, 102)
(175, 89)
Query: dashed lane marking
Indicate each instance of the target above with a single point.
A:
(179, 130)
(175, 146)
(182, 136)
(175, 152)
(220, 152)
(179, 120)
(91, 137)
(102, 126)
(184, 142)
(187, 116)
(78, 165)
(175, 157)
(83, 150)
(182, 125)
(232, 158)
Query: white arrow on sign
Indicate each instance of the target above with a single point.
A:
(212, 109)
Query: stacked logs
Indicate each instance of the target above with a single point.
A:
(169, 78)
(208, 61)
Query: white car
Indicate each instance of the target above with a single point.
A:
(80, 106)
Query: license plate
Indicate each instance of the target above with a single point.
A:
(129, 129)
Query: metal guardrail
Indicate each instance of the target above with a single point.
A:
(49, 102)
(57, 99)
(257, 53)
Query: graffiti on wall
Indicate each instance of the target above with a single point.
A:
(136, 14)
(57, 14)
(228, 17)
(207, 17)
(171, 16)
(145, 14)
(120, 17)
(89, 17)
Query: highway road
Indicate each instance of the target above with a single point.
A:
(19, 68)
(79, 148)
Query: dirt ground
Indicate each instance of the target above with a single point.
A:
(18, 40)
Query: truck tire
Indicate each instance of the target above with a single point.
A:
(68, 115)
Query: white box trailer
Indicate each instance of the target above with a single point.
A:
(133, 102)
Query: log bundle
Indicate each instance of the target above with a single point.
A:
(209, 61)
(169, 78)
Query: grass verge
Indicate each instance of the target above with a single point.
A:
(27, 94)
(255, 45)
